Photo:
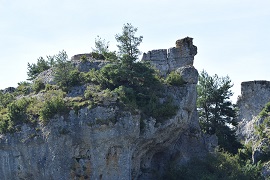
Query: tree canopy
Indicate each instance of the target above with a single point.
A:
(217, 114)
(128, 42)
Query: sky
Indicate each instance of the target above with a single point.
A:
(232, 36)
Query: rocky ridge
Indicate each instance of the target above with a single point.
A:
(107, 142)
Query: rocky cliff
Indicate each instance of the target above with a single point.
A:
(254, 96)
(107, 142)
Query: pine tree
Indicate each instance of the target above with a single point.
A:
(217, 114)
(128, 42)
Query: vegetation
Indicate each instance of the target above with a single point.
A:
(174, 79)
(262, 129)
(217, 114)
(222, 165)
(101, 50)
(136, 86)
(35, 69)
(38, 85)
(128, 42)
(56, 105)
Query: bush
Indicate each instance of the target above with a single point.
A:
(5, 124)
(49, 87)
(265, 111)
(5, 99)
(83, 59)
(56, 105)
(24, 88)
(17, 111)
(74, 77)
(219, 166)
(38, 85)
(174, 79)
(97, 56)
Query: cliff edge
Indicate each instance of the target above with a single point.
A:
(108, 142)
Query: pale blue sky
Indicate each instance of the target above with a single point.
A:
(232, 36)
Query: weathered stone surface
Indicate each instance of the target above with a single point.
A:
(47, 77)
(169, 60)
(189, 74)
(103, 142)
(109, 143)
(266, 170)
(260, 150)
(254, 96)
(8, 90)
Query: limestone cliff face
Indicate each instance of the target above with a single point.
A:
(108, 143)
(254, 96)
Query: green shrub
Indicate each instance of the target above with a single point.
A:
(219, 166)
(5, 124)
(97, 56)
(49, 87)
(265, 111)
(56, 105)
(5, 99)
(24, 88)
(174, 79)
(90, 76)
(38, 85)
(17, 110)
(83, 59)
(126, 96)
(74, 77)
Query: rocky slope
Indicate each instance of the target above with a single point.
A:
(254, 96)
(107, 142)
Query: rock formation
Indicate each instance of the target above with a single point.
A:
(169, 60)
(254, 96)
(106, 142)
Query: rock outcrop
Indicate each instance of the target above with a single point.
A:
(109, 143)
(169, 60)
(254, 96)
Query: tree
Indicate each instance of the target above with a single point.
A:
(63, 69)
(128, 42)
(101, 46)
(217, 114)
(35, 69)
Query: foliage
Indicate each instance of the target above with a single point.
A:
(50, 87)
(74, 77)
(137, 86)
(63, 70)
(17, 110)
(262, 130)
(51, 107)
(83, 58)
(101, 46)
(38, 85)
(217, 115)
(24, 88)
(78, 103)
(265, 111)
(101, 50)
(98, 56)
(128, 42)
(35, 69)
(174, 79)
(221, 166)
(5, 99)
